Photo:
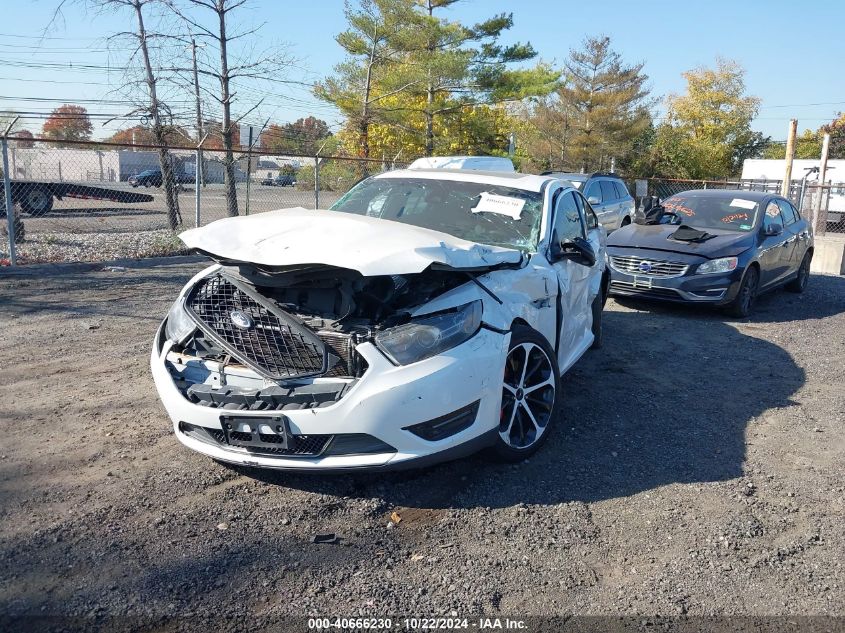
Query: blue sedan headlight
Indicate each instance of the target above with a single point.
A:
(722, 265)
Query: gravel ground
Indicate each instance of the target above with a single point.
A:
(697, 470)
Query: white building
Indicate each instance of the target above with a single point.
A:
(770, 169)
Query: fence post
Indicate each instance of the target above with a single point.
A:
(197, 187)
(817, 203)
(7, 187)
(317, 181)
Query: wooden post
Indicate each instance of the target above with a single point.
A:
(817, 203)
(790, 154)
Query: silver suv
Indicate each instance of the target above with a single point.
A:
(606, 193)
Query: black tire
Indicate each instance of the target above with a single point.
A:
(37, 201)
(798, 284)
(598, 312)
(526, 420)
(743, 304)
(626, 221)
(148, 184)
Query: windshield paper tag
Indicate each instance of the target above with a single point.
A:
(491, 203)
(743, 204)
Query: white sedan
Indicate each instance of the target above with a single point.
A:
(428, 314)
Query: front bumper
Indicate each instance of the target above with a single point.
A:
(381, 404)
(716, 289)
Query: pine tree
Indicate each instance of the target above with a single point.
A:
(602, 107)
(362, 81)
(461, 66)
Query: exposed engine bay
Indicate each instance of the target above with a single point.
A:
(304, 321)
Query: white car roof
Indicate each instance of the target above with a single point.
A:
(528, 182)
(475, 163)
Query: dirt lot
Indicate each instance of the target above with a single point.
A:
(698, 470)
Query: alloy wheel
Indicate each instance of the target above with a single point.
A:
(528, 395)
(804, 273)
(749, 291)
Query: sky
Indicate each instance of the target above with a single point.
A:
(792, 52)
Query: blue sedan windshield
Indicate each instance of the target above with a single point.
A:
(703, 212)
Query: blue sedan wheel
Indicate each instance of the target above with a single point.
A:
(743, 305)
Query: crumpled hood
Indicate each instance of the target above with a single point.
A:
(371, 246)
(656, 237)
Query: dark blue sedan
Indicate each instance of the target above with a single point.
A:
(713, 246)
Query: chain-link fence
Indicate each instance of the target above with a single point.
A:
(827, 214)
(100, 202)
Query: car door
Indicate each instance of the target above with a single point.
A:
(594, 195)
(612, 204)
(626, 202)
(774, 250)
(574, 280)
(799, 235)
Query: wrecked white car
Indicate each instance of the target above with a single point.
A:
(428, 314)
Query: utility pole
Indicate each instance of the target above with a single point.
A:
(200, 170)
(790, 154)
(817, 203)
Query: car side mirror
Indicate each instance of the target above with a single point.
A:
(593, 200)
(578, 250)
(773, 229)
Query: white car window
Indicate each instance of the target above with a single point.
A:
(568, 224)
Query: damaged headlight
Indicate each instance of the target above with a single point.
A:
(430, 335)
(179, 325)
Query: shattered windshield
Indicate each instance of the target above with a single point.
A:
(702, 212)
(478, 212)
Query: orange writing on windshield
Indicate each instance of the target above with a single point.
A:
(733, 217)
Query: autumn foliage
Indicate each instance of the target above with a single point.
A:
(68, 123)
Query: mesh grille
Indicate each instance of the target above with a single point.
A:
(297, 445)
(277, 345)
(302, 445)
(647, 267)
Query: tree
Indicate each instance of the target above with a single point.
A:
(461, 66)
(214, 130)
(836, 129)
(267, 65)
(23, 139)
(303, 136)
(149, 103)
(473, 129)
(807, 145)
(362, 81)
(597, 113)
(68, 123)
(145, 135)
(707, 132)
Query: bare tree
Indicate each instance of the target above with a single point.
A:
(152, 107)
(265, 66)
